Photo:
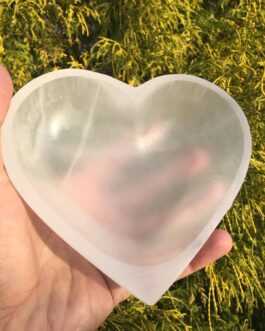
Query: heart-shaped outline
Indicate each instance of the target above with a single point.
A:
(147, 283)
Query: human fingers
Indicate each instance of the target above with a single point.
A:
(178, 169)
(176, 217)
(172, 234)
(219, 244)
(6, 90)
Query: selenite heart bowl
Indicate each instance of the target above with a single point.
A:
(134, 178)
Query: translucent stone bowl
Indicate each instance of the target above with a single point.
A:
(134, 179)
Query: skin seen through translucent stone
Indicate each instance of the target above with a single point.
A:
(91, 187)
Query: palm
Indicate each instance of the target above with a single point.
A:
(44, 273)
(45, 284)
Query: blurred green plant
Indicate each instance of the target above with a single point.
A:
(222, 41)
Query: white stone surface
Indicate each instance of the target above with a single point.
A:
(134, 179)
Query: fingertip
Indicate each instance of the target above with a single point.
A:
(218, 245)
(6, 91)
(6, 79)
(223, 241)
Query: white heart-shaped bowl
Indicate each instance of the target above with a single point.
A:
(133, 178)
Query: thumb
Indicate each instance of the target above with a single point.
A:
(6, 91)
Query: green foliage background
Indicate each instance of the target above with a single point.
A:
(222, 41)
